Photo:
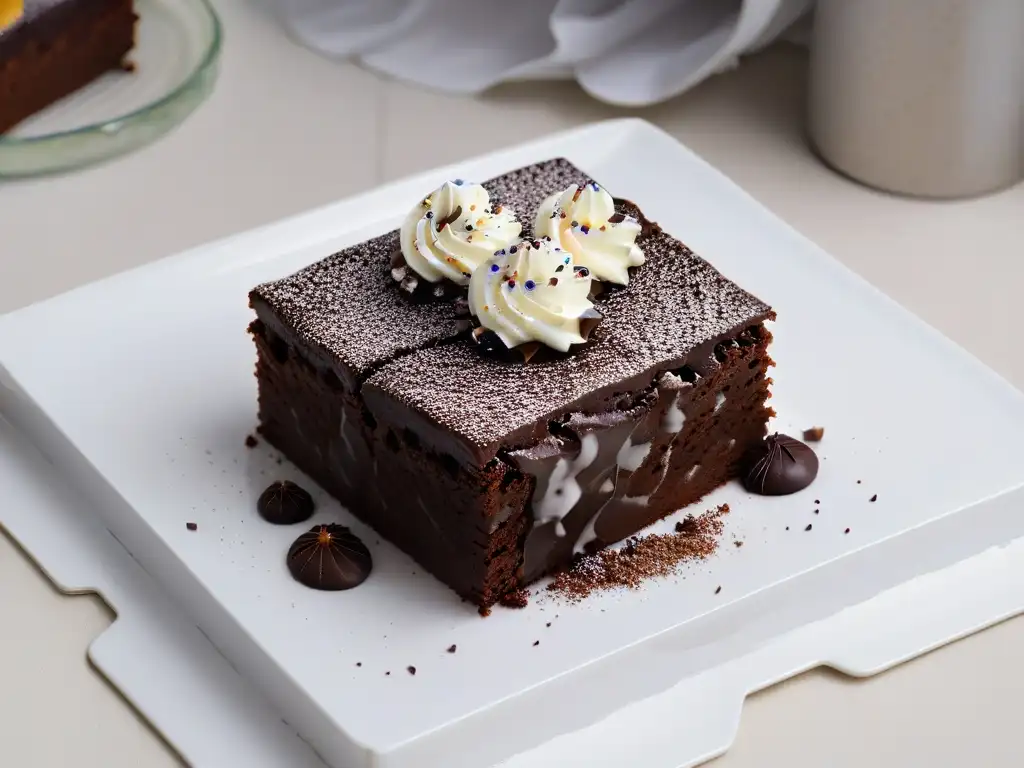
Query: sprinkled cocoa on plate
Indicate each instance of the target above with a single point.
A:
(649, 557)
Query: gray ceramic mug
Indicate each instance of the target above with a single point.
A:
(920, 97)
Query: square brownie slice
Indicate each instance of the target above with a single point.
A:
(56, 47)
(491, 473)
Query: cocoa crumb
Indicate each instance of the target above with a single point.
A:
(359, 663)
(719, 589)
(251, 441)
(484, 611)
(874, 498)
(518, 599)
(412, 670)
(847, 530)
(536, 643)
(737, 544)
(809, 526)
(192, 526)
(814, 434)
(645, 557)
(128, 66)
(548, 624)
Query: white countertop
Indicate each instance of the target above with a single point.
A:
(286, 130)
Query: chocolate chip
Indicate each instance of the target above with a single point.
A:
(285, 503)
(329, 557)
(778, 466)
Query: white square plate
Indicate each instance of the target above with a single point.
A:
(139, 388)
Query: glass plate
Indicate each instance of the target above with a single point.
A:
(176, 56)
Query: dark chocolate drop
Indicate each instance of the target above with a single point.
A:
(780, 465)
(329, 557)
(285, 503)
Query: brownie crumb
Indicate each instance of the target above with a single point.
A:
(847, 530)
(451, 648)
(809, 526)
(737, 544)
(192, 526)
(858, 482)
(518, 599)
(787, 527)
(548, 624)
(411, 670)
(817, 501)
(536, 643)
(359, 663)
(484, 611)
(874, 498)
(251, 441)
(717, 590)
(386, 674)
(817, 511)
(128, 66)
(650, 556)
(814, 434)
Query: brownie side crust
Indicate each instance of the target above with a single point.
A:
(57, 47)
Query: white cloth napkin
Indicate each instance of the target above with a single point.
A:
(625, 52)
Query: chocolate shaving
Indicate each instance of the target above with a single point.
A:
(450, 218)
(814, 434)
(589, 321)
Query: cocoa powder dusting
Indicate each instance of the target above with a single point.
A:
(643, 558)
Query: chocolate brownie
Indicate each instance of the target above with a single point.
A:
(55, 47)
(492, 472)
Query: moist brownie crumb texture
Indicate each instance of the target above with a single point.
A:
(492, 474)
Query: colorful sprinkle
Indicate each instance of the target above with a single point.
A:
(469, 227)
(566, 260)
(561, 215)
(574, 224)
(430, 214)
(513, 249)
(603, 227)
(585, 229)
(495, 267)
(472, 207)
(553, 281)
(529, 285)
(594, 186)
(560, 268)
(500, 253)
(581, 271)
(511, 284)
(536, 243)
(459, 182)
(427, 202)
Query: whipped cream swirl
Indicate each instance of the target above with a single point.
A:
(452, 232)
(582, 221)
(532, 292)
